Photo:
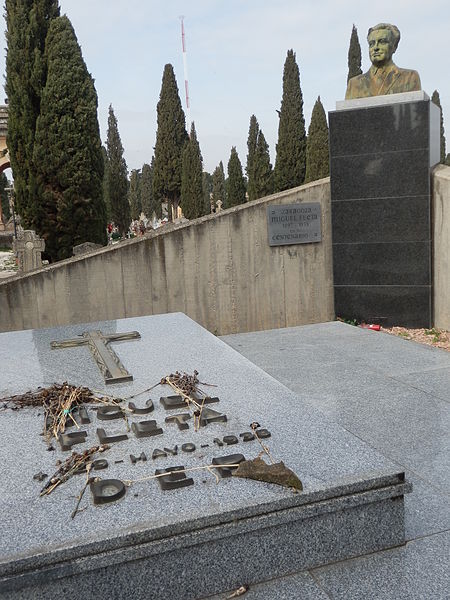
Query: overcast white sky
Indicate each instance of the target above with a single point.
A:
(236, 52)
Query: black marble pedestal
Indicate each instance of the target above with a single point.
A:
(380, 157)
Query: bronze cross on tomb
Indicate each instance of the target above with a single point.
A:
(107, 360)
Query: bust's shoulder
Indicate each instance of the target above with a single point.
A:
(407, 72)
(360, 78)
(356, 86)
(408, 78)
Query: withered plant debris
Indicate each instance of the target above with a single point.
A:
(277, 473)
(83, 489)
(75, 463)
(239, 592)
(187, 386)
(59, 402)
(254, 427)
(40, 476)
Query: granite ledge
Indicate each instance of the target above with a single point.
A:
(145, 543)
(260, 554)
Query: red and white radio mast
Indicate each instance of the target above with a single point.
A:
(186, 84)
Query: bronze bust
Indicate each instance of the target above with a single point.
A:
(383, 77)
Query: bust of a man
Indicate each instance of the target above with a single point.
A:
(383, 77)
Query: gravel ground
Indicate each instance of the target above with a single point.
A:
(432, 337)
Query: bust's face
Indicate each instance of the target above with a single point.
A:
(380, 47)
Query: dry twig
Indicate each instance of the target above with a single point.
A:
(72, 465)
(209, 468)
(187, 386)
(254, 427)
(59, 403)
(80, 496)
(239, 592)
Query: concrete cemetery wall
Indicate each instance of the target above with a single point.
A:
(219, 270)
(441, 245)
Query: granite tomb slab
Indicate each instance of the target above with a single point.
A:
(201, 537)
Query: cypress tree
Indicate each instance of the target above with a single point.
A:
(436, 99)
(26, 72)
(218, 183)
(171, 137)
(251, 145)
(192, 178)
(134, 195)
(207, 191)
(263, 169)
(149, 206)
(105, 185)
(4, 197)
(236, 182)
(290, 160)
(317, 152)
(354, 55)
(118, 176)
(67, 150)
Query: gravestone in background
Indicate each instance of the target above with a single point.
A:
(85, 248)
(185, 536)
(381, 151)
(28, 248)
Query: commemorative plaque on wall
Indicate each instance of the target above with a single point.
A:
(294, 223)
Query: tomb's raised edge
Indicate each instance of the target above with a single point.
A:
(59, 562)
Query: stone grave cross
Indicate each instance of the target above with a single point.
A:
(28, 248)
(107, 360)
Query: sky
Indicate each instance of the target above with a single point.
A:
(235, 54)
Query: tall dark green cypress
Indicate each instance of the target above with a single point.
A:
(251, 146)
(105, 185)
(264, 185)
(218, 183)
(67, 152)
(134, 194)
(149, 206)
(236, 182)
(171, 137)
(317, 151)
(207, 192)
(354, 55)
(290, 162)
(436, 99)
(4, 198)
(192, 178)
(26, 73)
(118, 176)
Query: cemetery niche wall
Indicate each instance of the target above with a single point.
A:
(160, 515)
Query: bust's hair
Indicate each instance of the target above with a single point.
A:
(393, 30)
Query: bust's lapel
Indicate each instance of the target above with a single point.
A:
(390, 80)
(365, 86)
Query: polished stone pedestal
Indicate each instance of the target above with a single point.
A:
(381, 150)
